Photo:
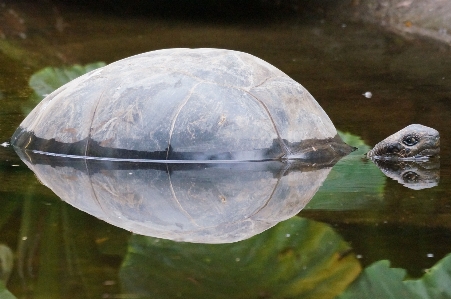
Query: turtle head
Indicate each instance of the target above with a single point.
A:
(413, 142)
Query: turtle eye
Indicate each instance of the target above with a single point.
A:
(410, 177)
(410, 140)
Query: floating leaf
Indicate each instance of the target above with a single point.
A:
(48, 79)
(4, 293)
(434, 284)
(298, 258)
(381, 281)
(353, 183)
(6, 262)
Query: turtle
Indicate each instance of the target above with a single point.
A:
(183, 105)
(204, 202)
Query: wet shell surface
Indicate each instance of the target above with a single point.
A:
(182, 104)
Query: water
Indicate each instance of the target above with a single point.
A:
(61, 251)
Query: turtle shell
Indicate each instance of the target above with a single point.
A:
(182, 104)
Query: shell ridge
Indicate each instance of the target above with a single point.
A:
(171, 130)
(264, 81)
(306, 96)
(178, 202)
(44, 106)
(244, 88)
(92, 120)
(174, 70)
(269, 198)
(96, 199)
(279, 138)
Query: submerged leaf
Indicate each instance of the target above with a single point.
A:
(297, 258)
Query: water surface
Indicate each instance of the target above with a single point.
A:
(63, 252)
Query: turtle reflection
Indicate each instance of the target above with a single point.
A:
(419, 174)
(202, 203)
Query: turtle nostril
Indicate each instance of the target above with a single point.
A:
(394, 148)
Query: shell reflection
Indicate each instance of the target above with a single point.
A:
(202, 203)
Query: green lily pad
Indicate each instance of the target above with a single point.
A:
(6, 265)
(48, 79)
(298, 258)
(4, 293)
(381, 281)
(353, 183)
(434, 284)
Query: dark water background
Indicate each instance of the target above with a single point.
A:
(335, 60)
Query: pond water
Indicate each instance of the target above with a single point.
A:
(358, 216)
